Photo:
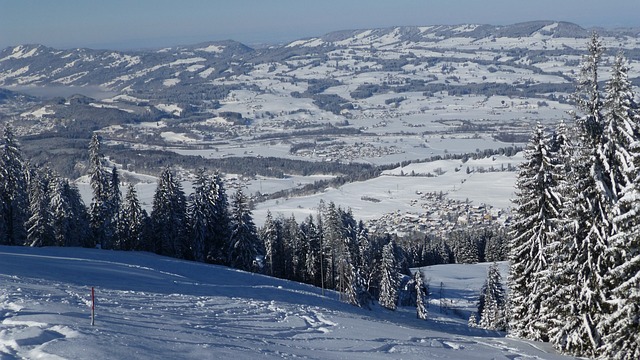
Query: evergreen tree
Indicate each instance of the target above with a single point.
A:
(621, 326)
(13, 192)
(492, 301)
(132, 222)
(69, 217)
(39, 229)
(168, 217)
(296, 249)
(535, 227)
(101, 206)
(221, 223)
(244, 246)
(421, 293)
(389, 280)
(311, 235)
(114, 205)
(271, 235)
(202, 216)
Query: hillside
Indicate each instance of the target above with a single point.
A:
(151, 307)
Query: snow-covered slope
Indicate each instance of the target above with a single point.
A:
(150, 307)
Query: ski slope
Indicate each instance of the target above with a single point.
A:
(152, 307)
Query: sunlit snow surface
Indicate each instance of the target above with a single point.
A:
(150, 307)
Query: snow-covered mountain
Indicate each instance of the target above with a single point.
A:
(150, 307)
(197, 64)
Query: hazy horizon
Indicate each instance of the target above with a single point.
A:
(122, 25)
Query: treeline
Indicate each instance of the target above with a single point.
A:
(148, 160)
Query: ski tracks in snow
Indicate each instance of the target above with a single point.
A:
(21, 337)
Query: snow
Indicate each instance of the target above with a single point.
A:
(212, 49)
(205, 73)
(170, 82)
(150, 307)
(170, 108)
(187, 61)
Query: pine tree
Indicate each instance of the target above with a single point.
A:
(389, 280)
(421, 293)
(13, 192)
(492, 301)
(271, 235)
(311, 235)
(69, 217)
(101, 206)
(244, 246)
(132, 222)
(221, 223)
(202, 216)
(168, 217)
(621, 326)
(535, 227)
(39, 229)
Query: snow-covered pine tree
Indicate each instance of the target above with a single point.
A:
(311, 235)
(200, 213)
(595, 190)
(168, 217)
(492, 301)
(621, 325)
(39, 229)
(13, 192)
(271, 234)
(332, 242)
(69, 218)
(298, 249)
(535, 226)
(221, 223)
(132, 222)
(421, 294)
(244, 244)
(114, 205)
(554, 280)
(367, 263)
(100, 209)
(389, 277)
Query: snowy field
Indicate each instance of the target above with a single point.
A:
(151, 307)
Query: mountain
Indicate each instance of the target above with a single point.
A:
(188, 66)
(150, 307)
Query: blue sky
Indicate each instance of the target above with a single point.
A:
(123, 24)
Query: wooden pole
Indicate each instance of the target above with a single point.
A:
(93, 306)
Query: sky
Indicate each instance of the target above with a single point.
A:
(130, 24)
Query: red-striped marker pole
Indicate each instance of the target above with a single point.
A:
(93, 307)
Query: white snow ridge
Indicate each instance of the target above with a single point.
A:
(152, 307)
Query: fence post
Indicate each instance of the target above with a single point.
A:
(93, 306)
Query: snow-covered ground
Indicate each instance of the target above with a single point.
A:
(151, 307)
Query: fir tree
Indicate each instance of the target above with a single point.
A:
(621, 326)
(421, 293)
(244, 246)
(39, 229)
(168, 217)
(202, 216)
(101, 206)
(132, 222)
(535, 227)
(13, 192)
(311, 235)
(271, 235)
(69, 216)
(389, 280)
(220, 224)
(492, 301)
